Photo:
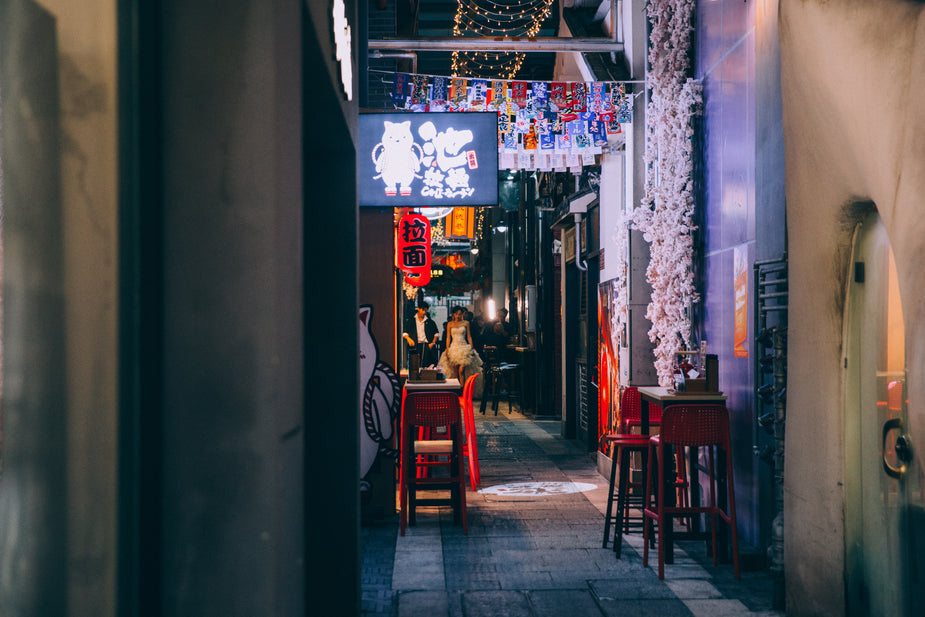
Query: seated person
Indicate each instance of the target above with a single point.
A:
(497, 338)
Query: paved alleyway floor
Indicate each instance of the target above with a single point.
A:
(540, 555)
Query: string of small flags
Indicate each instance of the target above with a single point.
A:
(541, 125)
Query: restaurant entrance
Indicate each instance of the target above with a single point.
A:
(884, 488)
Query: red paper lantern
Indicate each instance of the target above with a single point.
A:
(413, 248)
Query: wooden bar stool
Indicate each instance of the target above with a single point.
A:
(693, 426)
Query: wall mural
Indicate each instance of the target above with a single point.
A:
(380, 396)
(608, 393)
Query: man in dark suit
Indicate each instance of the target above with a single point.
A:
(422, 335)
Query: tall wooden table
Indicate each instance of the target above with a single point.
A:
(666, 398)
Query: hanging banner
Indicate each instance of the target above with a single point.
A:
(575, 119)
(400, 85)
(462, 224)
(413, 248)
(740, 283)
(439, 93)
(579, 96)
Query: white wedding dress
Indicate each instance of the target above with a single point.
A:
(460, 353)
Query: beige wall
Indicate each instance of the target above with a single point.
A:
(86, 32)
(853, 81)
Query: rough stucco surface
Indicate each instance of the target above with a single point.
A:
(853, 82)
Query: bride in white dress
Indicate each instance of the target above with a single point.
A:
(460, 358)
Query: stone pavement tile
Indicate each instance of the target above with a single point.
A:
(469, 580)
(519, 560)
(567, 559)
(561, 603)
(635, 586)
(607, 561)
(500, 543)
(754, 589)
(468, 544)
(418, 563)
(543, 514)
(423, 603)
(674, 571)
(574, 579)
(544, 541)
(460, 562)
(547, 526)
(645, 608)
(523, 579)
(520, 504)
(693, 588)
(495, 603)
(588, 530)
(717, 608)
(376, 603)
(497, 525)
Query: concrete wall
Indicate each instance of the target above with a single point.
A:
(839, 153)
(59, 206)
(187, 494)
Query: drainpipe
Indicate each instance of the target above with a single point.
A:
(579, 262)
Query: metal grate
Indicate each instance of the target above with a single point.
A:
(581, 390)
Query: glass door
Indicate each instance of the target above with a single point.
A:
(884, 477)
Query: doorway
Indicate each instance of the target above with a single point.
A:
(883, 488)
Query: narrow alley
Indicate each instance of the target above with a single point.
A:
(539, 554)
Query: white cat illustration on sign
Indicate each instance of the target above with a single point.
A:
(397, 158)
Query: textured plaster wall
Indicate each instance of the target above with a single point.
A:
(853, 82)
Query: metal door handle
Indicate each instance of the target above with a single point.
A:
(903, 448)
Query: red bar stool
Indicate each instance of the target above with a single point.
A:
(692, 426)
(432, 410)
(630, 418)
(624, 446)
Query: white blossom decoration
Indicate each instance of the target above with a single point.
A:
(666, 211)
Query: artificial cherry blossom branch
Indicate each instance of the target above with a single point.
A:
(665, 214)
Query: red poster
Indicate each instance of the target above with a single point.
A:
(740, 272)
(519, 93)
(557, 94)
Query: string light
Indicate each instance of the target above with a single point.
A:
(488, 18)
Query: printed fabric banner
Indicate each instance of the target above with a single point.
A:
(574, 119)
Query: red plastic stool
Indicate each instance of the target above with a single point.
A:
(693, 426)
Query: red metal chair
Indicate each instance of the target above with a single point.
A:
(471, 447)
(432, 410)
(692, 426)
